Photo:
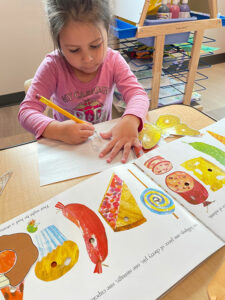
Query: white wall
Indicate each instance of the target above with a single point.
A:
(24, 41)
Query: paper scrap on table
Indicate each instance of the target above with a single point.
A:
(3, 181)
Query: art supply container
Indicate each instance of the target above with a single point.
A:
(184, 9)
(163, 11)
(176, 38)
(174, 10)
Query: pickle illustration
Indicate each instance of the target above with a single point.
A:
(213, 151)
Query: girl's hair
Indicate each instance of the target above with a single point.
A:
(60, 12)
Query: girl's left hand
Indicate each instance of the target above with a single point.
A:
(124, 135)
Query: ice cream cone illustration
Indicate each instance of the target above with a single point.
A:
(57, 255)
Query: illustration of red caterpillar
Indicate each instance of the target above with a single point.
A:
(92, 229)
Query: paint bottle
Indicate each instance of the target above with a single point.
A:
(175, 10)
(169, 5)
(184, 9)
(163, 11)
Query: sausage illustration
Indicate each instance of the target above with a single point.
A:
(92, 229)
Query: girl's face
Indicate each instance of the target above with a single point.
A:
(84, 46)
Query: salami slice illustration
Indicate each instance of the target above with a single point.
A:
(187, 187)
(158, 165)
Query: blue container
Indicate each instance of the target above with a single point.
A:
(223, 20)
(176, 38)
(202, 16)
(123, 30)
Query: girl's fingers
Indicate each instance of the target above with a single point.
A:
(86, 133)
(117, 147)
(106, 135)
(108, 148)
(126, 152)
(87, 126)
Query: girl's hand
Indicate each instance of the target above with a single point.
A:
(68, 131)
(123, 135)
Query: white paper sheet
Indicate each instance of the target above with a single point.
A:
(59, 161)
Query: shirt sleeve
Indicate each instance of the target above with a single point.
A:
(137, 102)
(31, 113)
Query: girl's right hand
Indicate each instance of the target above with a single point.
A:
(68, 131)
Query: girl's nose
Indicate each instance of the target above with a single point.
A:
(87, 57)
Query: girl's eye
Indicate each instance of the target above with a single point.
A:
(96, 46)
(74, 51)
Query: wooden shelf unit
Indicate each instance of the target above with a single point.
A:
(160, 31)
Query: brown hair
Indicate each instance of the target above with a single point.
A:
(60, 12)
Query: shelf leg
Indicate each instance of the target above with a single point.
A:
(193, 66)
(157, 70)
(213, 8)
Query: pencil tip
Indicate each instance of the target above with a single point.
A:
(38, 96)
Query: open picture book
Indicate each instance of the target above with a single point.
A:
(132, 231)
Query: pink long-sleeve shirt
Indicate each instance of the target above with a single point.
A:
(90, 101)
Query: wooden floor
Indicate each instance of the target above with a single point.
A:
(212, 100)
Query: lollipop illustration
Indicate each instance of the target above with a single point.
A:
(57, 255)
(156, 201)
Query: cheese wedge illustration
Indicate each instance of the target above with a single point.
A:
(119, 208)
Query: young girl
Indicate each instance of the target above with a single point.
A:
(80, 76)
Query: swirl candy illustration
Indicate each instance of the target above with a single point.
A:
(155, 200)
(92, 229)
(57, 255)
(158, 202)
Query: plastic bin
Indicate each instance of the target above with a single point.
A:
(176, 38)
(223, 20)
(202, 16)
(123, 30)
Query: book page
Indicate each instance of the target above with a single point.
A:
(101, 239)
(192, 171)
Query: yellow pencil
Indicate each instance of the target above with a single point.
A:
(59, 109)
